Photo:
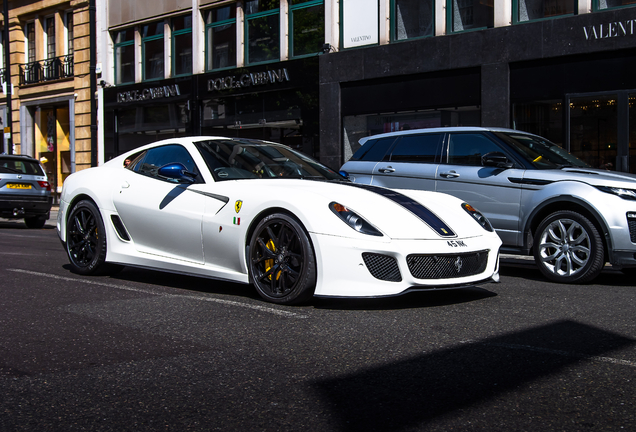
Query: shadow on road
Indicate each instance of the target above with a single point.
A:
(413, 392)
(529, 271)
(412, 300)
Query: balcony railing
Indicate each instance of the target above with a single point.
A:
(46, 70)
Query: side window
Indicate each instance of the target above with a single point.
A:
(150, 162)
(374, 150)
(417, 148)
(467, 149)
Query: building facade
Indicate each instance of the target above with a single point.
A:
(558, 68)
(47, 87)
(201, 67)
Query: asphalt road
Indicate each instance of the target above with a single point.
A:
(148, 351)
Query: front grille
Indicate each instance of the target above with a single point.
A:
(382, 267)
(632, 229)
(444, 266)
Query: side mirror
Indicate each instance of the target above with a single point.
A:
(177, 171)
(496, 159)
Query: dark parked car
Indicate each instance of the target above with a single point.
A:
(25, 192)
(540, 199)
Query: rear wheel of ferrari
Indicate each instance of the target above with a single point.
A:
(86, 239)
(282, 263)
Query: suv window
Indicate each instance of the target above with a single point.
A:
(14, 166)
(417, 148)
(373, 150)
(153, 159)
(467, 149)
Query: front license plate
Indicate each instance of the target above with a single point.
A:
(18, 186)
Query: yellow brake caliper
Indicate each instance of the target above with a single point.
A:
(270, 262)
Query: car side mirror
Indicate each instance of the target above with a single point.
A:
(496, 159)
(177, 171)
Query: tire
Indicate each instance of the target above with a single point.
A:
(86, 239)
(282, 264)
(35, 222)
(568, 248)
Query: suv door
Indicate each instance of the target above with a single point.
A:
(362, 164)
(488, 188)
(412, 163)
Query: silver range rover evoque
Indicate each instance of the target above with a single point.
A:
(542, 200)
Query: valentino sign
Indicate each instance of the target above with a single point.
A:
(149, 93)
(248, 79)
(609, 30)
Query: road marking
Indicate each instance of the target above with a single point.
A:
(561, 353)
(146, 291)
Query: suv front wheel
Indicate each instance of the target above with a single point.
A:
(568, 248)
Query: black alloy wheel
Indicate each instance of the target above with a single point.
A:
(568, 248)
(86, 239)
(282, 264)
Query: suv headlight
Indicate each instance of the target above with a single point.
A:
(628, 194)
(476, 214)
(354, 220)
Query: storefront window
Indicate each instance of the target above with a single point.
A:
(544, 118)
(152, 51)
(593, 130)
(360, 126)
(307, 27)
(52, 144)
(471, 14)
(124, 56)
(412, 19)
(182, 45)
(262, 31)
(220, 29)
(528, 10)
(610, 4)
(142, 125)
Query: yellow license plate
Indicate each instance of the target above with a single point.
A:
(18, 186)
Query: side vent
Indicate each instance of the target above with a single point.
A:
(119, 227)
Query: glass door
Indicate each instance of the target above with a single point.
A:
(594, 129)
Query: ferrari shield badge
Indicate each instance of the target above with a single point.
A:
(237, 205)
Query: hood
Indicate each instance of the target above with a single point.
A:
(403, 214)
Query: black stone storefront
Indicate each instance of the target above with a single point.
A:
(570, 79)
(276, 102)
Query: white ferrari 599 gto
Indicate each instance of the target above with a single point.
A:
(258, 212)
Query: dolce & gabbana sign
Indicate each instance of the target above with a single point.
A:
(149, 93)
(248, 79)
(609, 30)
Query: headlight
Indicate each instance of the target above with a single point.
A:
(354, 220)
(476, 214)
(628, 194)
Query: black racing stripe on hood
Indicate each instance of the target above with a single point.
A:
(427, 216)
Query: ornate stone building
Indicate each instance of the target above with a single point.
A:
(49, 82)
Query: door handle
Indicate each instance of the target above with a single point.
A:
(450, 174)
(125, 185)
(387, 170)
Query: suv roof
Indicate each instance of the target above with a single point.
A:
(442, 129)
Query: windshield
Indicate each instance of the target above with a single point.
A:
(541, 153)
(16, 166)
(250, 159)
